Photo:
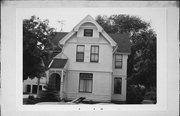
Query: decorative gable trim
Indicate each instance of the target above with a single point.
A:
(90, 19)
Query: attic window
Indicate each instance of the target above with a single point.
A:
(88, 32)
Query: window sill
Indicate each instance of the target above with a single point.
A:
(93, 62)
(87, 62)
(79, 61)
(85, 92)
(117, 93)
(117, 68)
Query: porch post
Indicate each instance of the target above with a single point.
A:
(61, 88)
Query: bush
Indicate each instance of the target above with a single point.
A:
(49, 95)
(151, 95)
(32, 100)
(135, 94)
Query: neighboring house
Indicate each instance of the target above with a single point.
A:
(30, 85)
(92, 63)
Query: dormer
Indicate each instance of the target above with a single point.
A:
(90, 29)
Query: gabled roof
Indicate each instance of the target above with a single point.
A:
(122, 41)
(48, 61)
(88, 18)
(58, 35)
(58, 63)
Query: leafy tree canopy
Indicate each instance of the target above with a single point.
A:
(36, 46)
(142, 60)
(121, 23)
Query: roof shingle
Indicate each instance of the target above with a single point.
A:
(58, 63)
(122, 41)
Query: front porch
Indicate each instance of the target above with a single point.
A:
(56, 75)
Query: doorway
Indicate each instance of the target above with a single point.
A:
(55, 81)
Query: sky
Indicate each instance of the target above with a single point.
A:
(72, 16)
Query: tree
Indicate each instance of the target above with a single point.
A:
(144, 64)
(122, 23)
(142, 60)
(37, 37)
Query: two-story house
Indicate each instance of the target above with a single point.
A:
(92, 64)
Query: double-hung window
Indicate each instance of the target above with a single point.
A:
(80, 53)
(118, 60)
(117, 85)
(85, 82)
(94, 57)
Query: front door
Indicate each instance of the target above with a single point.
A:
(54, 81)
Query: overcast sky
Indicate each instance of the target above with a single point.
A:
(72, 16)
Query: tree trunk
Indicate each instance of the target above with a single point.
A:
(38, 82)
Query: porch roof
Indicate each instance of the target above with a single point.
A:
(58, 63)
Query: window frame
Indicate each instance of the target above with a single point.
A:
(29, 88)
(91, 78)
(115, 91)
(94, 54)
(40, 87)
(34, 89)
(121, 60)
(87, 35)
(78, 60)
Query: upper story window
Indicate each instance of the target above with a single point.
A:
(88, 32)
(94, 56)
(80, 53)
(118, 60)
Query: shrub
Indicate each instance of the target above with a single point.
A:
(32, 100)
(135, 94)
(49, 95)
(151, 95)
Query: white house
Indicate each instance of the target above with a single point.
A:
(92, 63)
(30, 85)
